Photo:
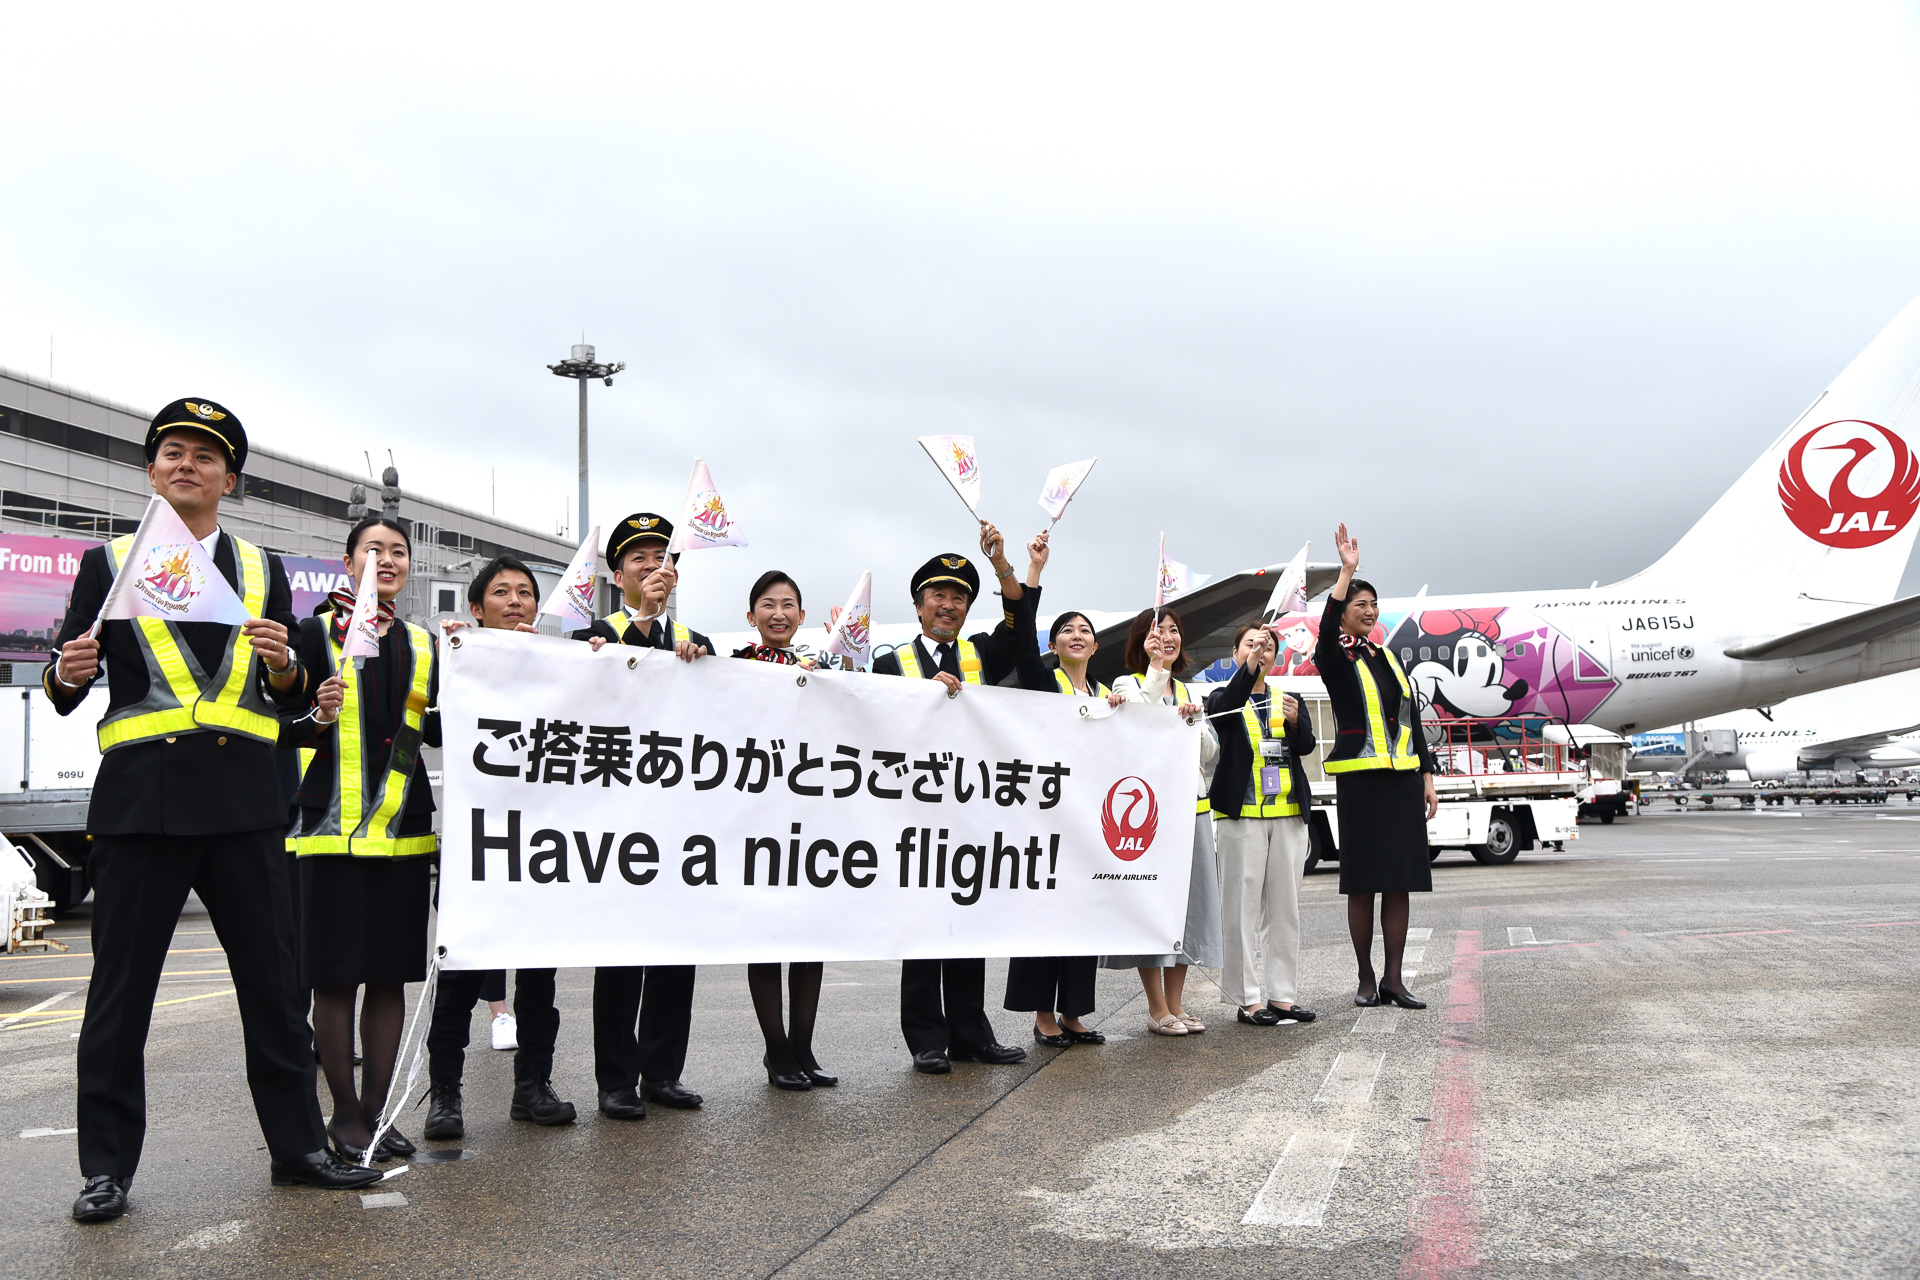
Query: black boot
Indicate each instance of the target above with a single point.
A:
(444, 1121)
(535, 1100)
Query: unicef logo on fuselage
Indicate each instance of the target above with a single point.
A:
(1128, 818)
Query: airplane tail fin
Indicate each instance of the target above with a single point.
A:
(1829, 512)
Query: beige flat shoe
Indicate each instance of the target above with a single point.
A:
(1167, 1026)
(1193, 1025)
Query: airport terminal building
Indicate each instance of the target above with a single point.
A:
(73, 467)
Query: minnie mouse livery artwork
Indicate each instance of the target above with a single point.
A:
(1785, 586)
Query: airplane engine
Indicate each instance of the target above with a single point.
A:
(1773, 764)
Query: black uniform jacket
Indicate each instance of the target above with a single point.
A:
(1001, 650)
(1235, 768)
(1335, 664)
(382, 681)
(657, 634)
(192, 784)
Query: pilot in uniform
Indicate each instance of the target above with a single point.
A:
(944, 587)
(188, 799)
(647, 1056)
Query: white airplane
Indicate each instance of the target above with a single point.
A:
(1784, 587)
(1774, 752)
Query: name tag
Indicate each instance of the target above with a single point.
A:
(1270, 784)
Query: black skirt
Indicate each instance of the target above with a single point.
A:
(362, 920)
(1383, 832)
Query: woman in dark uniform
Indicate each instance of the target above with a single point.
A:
(774, 609)
(1383, 771)
(364, 839)
(1056, 990)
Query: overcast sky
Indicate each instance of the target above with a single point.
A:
(1515, 291)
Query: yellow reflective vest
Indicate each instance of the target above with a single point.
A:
(181, 698)
(370, 794)
(1375, 752)
(1282, 803)
(1098, 690)
(909, 655)
(620, 621)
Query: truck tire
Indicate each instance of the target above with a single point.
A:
(1433, 853)
(1503, 842)
(1606, 815)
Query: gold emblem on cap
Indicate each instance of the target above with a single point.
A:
(648, 523)
(954, 562)
(206, 411)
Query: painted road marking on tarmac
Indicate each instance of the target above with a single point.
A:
(1415, 954)
(1744, 933)
(1444, 1220)
(50, 1019)
(383, 1200)
(48, 1003)
(1887, 924)
(1297, 1191)
(46, 1133)
(1519, 935)
(1350, 1080)
(1378, 1022)
(1420, 935)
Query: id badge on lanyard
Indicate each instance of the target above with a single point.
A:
(1273, 756)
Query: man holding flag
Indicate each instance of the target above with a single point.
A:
(187, 798)
(643, 1014)
(944, 588)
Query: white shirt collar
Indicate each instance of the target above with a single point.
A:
(212, 540)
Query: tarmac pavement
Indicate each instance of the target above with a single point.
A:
(1682, 1048)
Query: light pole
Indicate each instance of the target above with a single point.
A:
(581, 367)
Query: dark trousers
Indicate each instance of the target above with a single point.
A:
(140, 883)
(642, 1017)
(452, 1025)
(1057, 984)
(960, 1021)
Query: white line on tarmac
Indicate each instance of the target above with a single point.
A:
(1408, 975)
(1300, 1185)
(46, 1133)
(383, 1200)
(1521, 935)
(1350, 1080)
(1416, 954)
(1420, 935)
(48, 1003)
(1377, 1022)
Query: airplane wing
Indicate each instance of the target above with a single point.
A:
(1857, 746)
(1855, 628)
(1210, 613)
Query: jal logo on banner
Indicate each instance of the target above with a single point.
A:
(1128, 818)
(169, 579)
(1852, 455)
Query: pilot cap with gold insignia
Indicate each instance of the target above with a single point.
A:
(947, 568)
(204, 416)
(638, 527)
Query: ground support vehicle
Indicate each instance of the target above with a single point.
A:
(47, 767)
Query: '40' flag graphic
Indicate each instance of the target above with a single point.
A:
(704, 519)
(168, 574)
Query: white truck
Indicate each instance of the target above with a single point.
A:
(47, 766)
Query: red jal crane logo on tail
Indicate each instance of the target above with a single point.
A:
(1842, 518)
(1129, 817)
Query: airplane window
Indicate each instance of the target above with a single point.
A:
(1446, 653)
(1426, 652)
(1406, 655)
(1460, 661)
(1482, 650)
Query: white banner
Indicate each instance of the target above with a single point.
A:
(624, 807)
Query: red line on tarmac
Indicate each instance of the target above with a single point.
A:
(1886, 924)
(1444, 1221)
(1750, 933)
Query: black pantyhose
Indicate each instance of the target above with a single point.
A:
(1395, 909)
(787, 1052)
(382, 1013)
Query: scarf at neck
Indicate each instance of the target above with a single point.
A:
(1355, 647)
(342, 602)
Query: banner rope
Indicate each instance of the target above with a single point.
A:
(413, 1052)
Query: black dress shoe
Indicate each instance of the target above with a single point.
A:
(351, 1152)
(1060, 1041)
(810, 1065)
(1298, 1013)
(1264, 1016)
(104, 1199)
(622, 1104)
(444, 1121)
(1367, 999)
(793, 1080)
(671, 1093)
(1083, 1037)
(323, 1168)
(535, 1100)
(1389, 996)
(395, 1145)
(932, 1063)
(1000, 1055)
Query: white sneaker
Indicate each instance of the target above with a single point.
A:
(506, 1032)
